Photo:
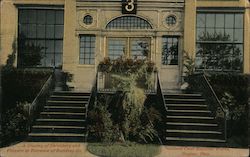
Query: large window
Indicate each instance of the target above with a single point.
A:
(87, 49)
(170, 50)
(40, 38)
(219, 41)
(134, 48)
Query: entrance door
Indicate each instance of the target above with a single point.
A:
(134, 48)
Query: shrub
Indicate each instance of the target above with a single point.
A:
(14, 124)
(21, 85)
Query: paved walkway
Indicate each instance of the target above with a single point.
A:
(38, 149)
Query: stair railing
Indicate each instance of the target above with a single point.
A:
(200, 83)
(38, 103)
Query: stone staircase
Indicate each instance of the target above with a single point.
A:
(189, 121)
(62, 119)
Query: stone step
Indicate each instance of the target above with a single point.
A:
(188, 112)
(190, 119)
(58, 129)
(62, 115)
(60, 122)
(194, 134)
(182, 96)
(192, 126)
(56, 137)
(64, 109)
(184, 106)
(70, 93)
(69, 98)
(66, 103)
(184, 101)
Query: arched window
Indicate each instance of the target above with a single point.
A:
(129, 22)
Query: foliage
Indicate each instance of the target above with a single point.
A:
(30, 54)
(100, 123)
(122, 65)
(189, 64)
(20, 85)
(129, 115)
(14, 124)
(218, 56)
(123, 150)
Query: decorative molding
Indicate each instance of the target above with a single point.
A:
(82, 13)
(177, 15)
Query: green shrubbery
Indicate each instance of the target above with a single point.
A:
(21, 85)
(123, 116)
(232, 90)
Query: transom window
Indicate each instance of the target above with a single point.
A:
(219, 41)
(134, 48)
(40, 38)
(129, 22)
(169, 50)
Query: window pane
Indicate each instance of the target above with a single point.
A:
(50, 60)
(50, 32)
(59, 46)
(229, 20)
(201, 20)
(50, 46)
(37, 33)
(87, 49)
(50, 18)
(31, 16)
(23, 16)
(41, 16)
(238, 20)
(59, 17)
(32, 31)
(229, 33)
(59, 31)
(238, 35)
(116, 48)
(41, 31)
(140, 48)
(210, 20)
(58, 59)
(170, 51)
(220, 20)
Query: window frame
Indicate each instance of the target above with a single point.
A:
(178, 49)
(91, 61)
(231, 41)
(25, 24)
(128, 46)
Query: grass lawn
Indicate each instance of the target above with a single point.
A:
(123, 150)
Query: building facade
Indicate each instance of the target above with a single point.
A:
(76, 35)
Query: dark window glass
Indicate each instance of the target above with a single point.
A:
(87, 49)
(171, 20)
(219, 42)
(40, 38)
(88, 20)
(170, 50)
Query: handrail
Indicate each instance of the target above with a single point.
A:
(37, 104)
(214, 94)
(202, 84)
